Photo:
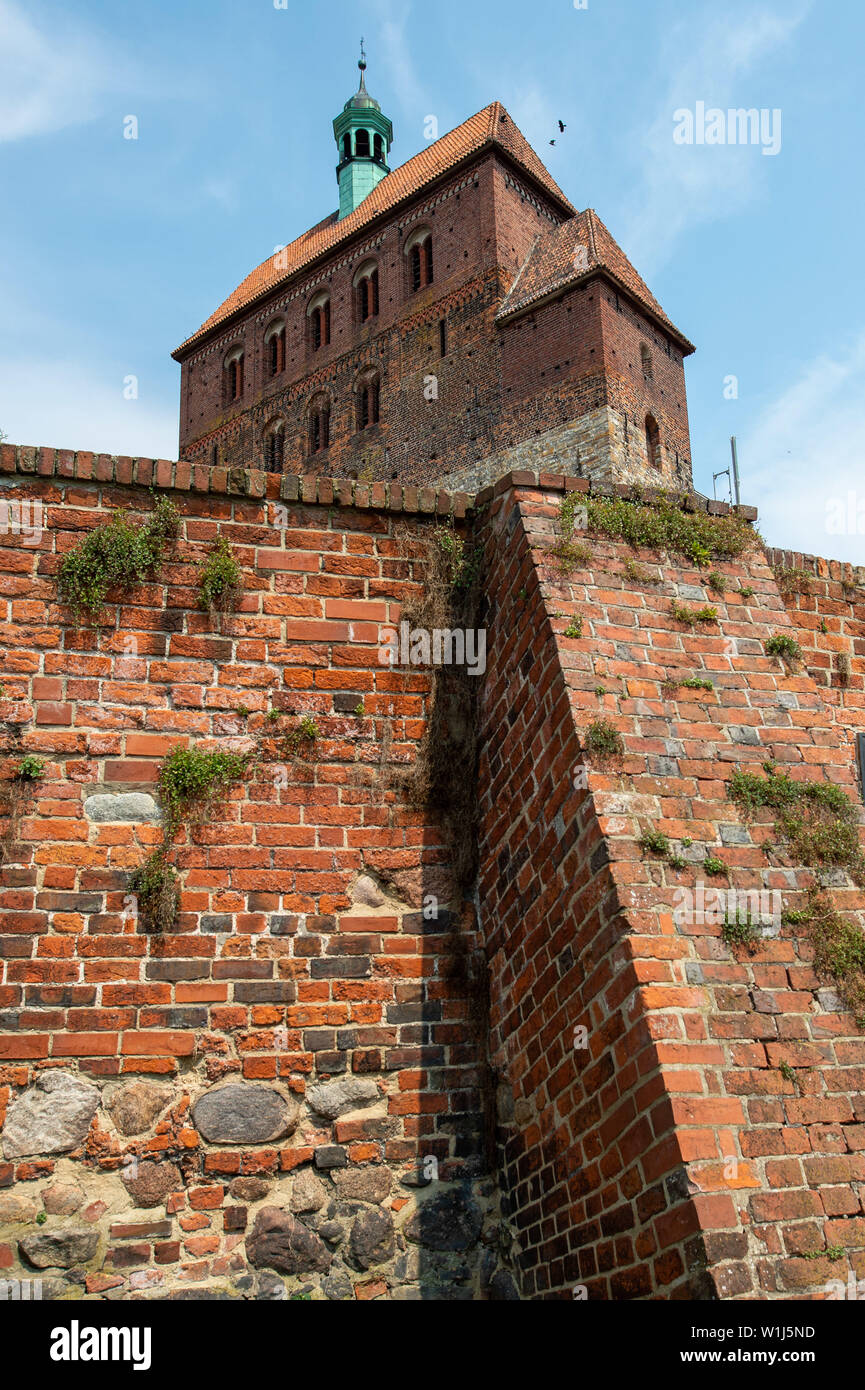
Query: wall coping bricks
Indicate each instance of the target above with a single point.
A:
(182, 476)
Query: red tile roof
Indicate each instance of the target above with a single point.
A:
(492, 126)
(565, 255)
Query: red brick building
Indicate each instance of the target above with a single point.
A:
(455, 319)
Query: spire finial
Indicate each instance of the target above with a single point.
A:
(362, 64)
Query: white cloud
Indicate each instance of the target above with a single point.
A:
(394, 58)
(51, 76)
(805, 452)
(59, 404)
(683, 185)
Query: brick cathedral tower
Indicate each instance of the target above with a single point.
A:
(454, 319)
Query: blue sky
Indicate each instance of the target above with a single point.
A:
(113, 250)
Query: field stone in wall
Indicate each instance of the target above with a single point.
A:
(372, 1238)
(134, 1106)
(50, 1117)
(451, 1220)
(335, 1098)
(244, 1114)
(18, 1208)
(62, 1198)
(131, 808)
(59, 1249)
(371, 1183)
(307, 1192)
(281, 1241)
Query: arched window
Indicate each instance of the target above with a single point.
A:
(319, 425)
(361, 144)
(653, 442)
(419, 252)
(274, 343)
(318, 317)
(346, 146)
(378, 149)
(368, 400)
(274, 446)
(232, 378)
(646, 359)
(366, 291)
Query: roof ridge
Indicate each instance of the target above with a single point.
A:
(529, 255)
(590, 215)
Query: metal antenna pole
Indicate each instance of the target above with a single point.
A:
(735, 468)
(724, 473)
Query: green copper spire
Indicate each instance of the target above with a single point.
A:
(363, 137)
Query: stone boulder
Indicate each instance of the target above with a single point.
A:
(249, 1189)
(16, 1208)
(367, 892)
(307, 1192)
(59, 1249)
(244, 1114)
(335, 1098)
(280, 1241)
(372, 1183)
(372, 1238)
(451, 1220)
(134, 1106)
(62, 1198)
(50, 1117)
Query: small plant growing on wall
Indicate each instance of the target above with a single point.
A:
(692, 616)
(714, 866)
(28, 772)
(461, 560)
(574, 628)
(116, 556)
(189, 783)
(603, 739)
(665, 524)
(654, 842)
(740, 929)
(793, 580)
(157, 891)
(717, 582)
(782, 645)
(31, 768)
(220, 580)
(638, 574)
(697, 683)
(569, 552)
(300, 740)
(190, 780)
(839, 952)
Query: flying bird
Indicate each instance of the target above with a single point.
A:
(562, 126)
(552, 142)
